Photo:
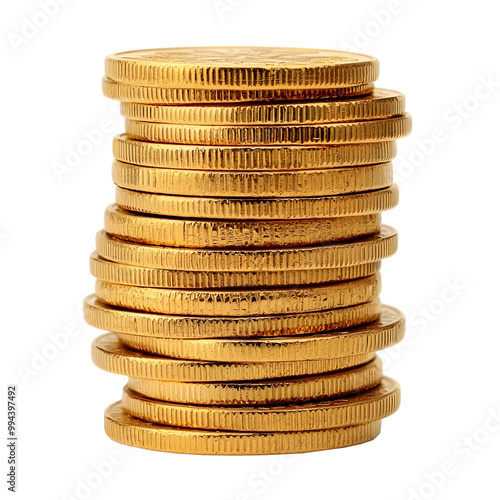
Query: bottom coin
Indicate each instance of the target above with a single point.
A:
(126, 429)
(359, 408)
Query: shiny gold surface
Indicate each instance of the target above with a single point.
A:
(210, 233)
(381, 103)
(119, 320)
(238, 270)
(241, 68)
(125, 429)
(371, 202)
(284, 390)
(200, 157)
(109, 354)
(237, 302)
(160, 95)
(387, 129)
(342, 254)
(387, 331)
(358, 408)
(253, 184)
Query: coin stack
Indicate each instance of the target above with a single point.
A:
(238, 270)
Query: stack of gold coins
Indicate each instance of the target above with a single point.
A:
(238, 270)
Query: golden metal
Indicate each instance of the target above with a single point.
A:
(109, 354)
(116, 319)
(253, 184)
(285, 390)
(358, 408)
(240, 302)
(206, 233)
(387, 331)
(381, 103)
(125, 274)
(386, 129)
(200, 157)
(370, 202)
(170, 96)
(242, 68)
(238, 270)
(341, 254)
(125, 429)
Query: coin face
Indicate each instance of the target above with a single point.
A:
(236, 57)
(241, 68)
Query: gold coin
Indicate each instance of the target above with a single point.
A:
(285, 390)
(370, 202)
(253, 184)
(244, 68)
(240, 302)
(370, 405)
(206, 233)
(386, 129)
(170, 278)
(158, 95)
(105, 317)
(388, 330)
(126, 429)
(381, 103)
(350, 253)
(110, 355)
(199, 157)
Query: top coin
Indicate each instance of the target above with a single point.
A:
(242, 68)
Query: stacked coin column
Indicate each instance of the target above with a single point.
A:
(238, 270)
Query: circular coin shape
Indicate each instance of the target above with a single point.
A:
(253, 184)
(109, 354)
(115, 272)
(370, 405)
(381, 103)
(105, 317)
(236, 302)
(285, 390)
(126, 429)
(386, 129)
(350, 253)
(206, 233)
(190, 157)
(351, 205)
(244, 68)
(158, 95)
(388, 330)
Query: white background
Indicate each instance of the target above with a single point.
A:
(444, 276)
